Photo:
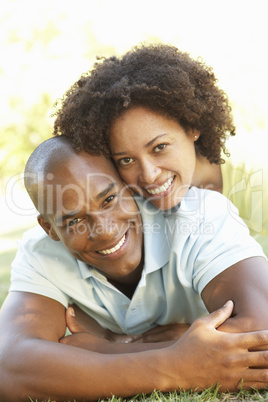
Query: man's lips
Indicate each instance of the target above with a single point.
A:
(161, 189)
(115, 248)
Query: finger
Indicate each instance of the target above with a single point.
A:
(251, 386)
(63, 339)
(219, 316)
(252, 340)
(253, 360)
(71, 322)
(254, 378)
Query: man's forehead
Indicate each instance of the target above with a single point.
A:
(97, 163)
(84, 167)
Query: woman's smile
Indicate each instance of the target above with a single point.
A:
(163, 189)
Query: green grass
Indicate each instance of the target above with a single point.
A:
(183, 396)
(8, 255)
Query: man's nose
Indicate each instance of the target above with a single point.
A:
(102, 227)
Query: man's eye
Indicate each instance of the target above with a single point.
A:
(74, 221)
(160, 147)
(109, 199)
(125, 161)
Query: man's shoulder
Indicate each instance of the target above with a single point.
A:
(36, 246)
(196, 204)
(205, 203)
(34, 236)
(36, 240)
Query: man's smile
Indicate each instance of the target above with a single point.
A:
(115, 248)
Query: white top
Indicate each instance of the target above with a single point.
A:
(184, 250)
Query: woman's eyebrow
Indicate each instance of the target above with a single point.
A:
(154, 139)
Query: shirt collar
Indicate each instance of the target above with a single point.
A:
(156, 244)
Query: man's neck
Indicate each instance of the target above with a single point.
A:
(129, 285)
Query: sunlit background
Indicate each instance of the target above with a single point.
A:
(45, 45)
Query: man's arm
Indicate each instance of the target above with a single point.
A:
(32, 358)
(86, 333)
(246, 283)
(40, 367)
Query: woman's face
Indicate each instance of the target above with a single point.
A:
(154, 155)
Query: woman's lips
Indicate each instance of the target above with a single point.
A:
(161, 189)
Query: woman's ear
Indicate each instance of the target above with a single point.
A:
(47, 228)
(195, 134)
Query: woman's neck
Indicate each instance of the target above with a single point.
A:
(207, 175)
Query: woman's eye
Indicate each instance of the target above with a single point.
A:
(125, 161)
(160, 147)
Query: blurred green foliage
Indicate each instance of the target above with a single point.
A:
(19, 138)
(40, 58)
(46, 46)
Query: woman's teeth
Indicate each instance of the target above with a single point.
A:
(161, 189)
(115, 248)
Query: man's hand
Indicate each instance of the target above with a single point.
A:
(209, 356)
(87, 333)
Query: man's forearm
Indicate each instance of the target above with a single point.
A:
(41, 369)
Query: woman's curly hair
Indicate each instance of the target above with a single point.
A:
(159, 77)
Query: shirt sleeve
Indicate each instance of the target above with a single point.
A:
(219, 240)
(32, 268)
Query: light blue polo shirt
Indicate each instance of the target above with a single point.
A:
(184, 249)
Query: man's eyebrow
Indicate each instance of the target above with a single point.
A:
(73, 214)
(64, 218)
(107, 189)
(146, 145)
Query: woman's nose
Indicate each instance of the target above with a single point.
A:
(149, 172)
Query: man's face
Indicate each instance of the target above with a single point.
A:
(94, 215)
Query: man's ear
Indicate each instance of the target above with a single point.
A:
(47, 228)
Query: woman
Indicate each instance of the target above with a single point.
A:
(164, 120)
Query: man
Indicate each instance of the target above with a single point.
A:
(95, 252)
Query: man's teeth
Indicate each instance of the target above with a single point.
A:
(161, 189)
(115, 248)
